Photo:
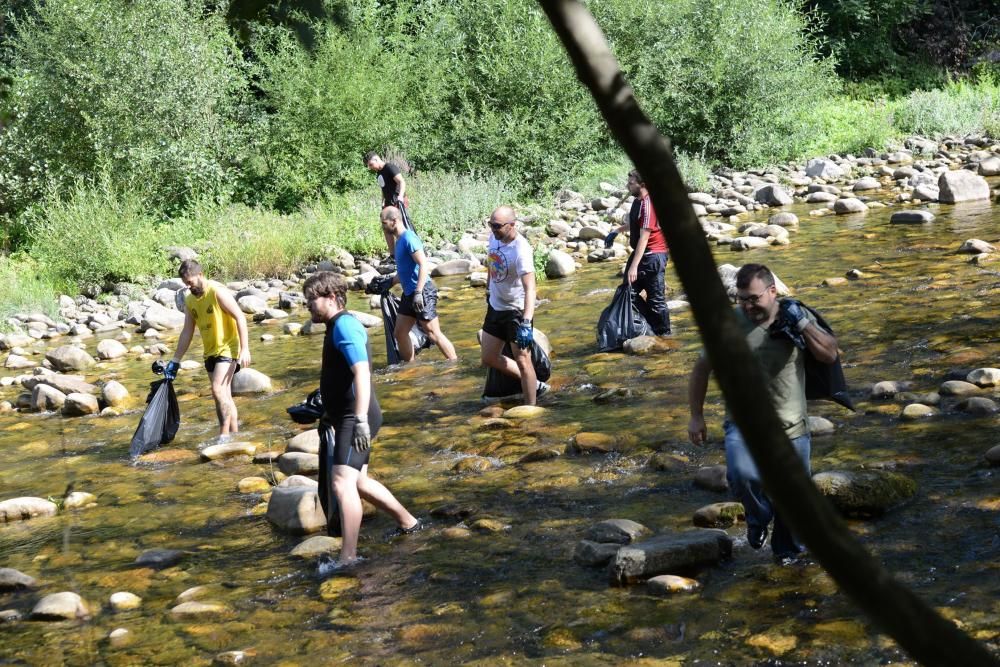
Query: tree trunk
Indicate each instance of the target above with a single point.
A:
(922, 632)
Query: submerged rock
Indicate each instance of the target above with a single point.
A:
(60, 607)
(993, 456)
(667, 584)
(593, 443)
(664, 554)
(594, 554)
(712, 478)
(616, 531)
(317, 545)
(199, 609)
(20, 509)
(915, 411)
(865, 492)
(159, 558)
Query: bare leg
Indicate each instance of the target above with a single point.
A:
(379, 496)
(433, 330)
(529, 382)
(402, 334)
(345, 488)
(225, 406)
(491, 351)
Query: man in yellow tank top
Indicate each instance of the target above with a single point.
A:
(223, 330)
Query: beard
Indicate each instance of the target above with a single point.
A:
(198, 291)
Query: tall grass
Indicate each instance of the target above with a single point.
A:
(26, 288)
(960, 107)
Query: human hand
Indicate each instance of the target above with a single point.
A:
(525, 335)
(362, 433)
(170, 372)
(418, 302)
(244, 359)
(793, 312)
(632, 274)
(697, 432)
(609, 240)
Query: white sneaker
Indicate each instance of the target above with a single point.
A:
(541, 389)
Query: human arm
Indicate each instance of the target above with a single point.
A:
(640, 248)
(418, 295)
(697, 389)
(228, 304)
(183, 343)
(528, 282)
(400, 186)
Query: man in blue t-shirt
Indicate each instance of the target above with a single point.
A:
(351, 418)
(419, 304)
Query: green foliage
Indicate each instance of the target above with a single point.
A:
(539, 258)
(149, 94)
(26, 288)
(445, 204)
(694, 170)
(95, 235)
(845, 125)
(961, 107)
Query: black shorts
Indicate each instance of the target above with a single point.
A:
(210, 363)
(430, 304)
(502, 324)
(340, 435)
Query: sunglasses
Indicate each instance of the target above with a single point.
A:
(497, 226)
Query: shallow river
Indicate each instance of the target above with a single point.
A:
(514, 594)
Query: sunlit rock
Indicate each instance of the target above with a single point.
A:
(228, 450)
(616, 531)
(79, 500)
(251, 381)
(820, 425)
(718, 515)
(915, 411)
(868, 492)
(59, 607)
(668, 584)
(712, 478)
(306, 442)
(296, 509)
(21, 509)
(298, 463)
(962, 185)
(958, 388)
(15, 580)
(317, 545)
(124, 601)
(664, 554)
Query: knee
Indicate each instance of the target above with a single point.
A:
(343, 485)
(220, 392)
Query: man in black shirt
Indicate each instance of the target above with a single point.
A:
(393, 185)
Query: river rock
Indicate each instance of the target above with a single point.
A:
(307, 442)
(228, 450)
(455, 267)
(823, 168)
(640, 345)
(559, 265)
(47, 399)
(69, 358)
(821, 197)
(979, 406)
(159, 559)
(16, 362)
(865, 184)
(594, 554)
(712, 478)
(593, 443)
(784, 219)
(915, 411)
(865, 492)
(298, 463)
(296, 509)
(820, 425)
(926, 193)
(912, 217)
(194, 608)
(524, 412)
(124, 601)
(251, 304)
(109, 349)
(79, 500)
(161, 318)
(772, 195)
(67, 384)
(317, 545)
(668, 584)
(542, 454)
(984, 377)
(60, 607)
(849, 205)
(664, 554)
(993, 456)
(718, 515)
(114, 393)
(886, 389)
(79, 405)
(616, 531)
(975, 247)
(989, 167)
(15, 580)
(367, 320)
(291, 328)
(961, 185)
(748, 243)
(251, 381)
(958, 388)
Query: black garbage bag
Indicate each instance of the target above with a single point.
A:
(328, 501)
(390, 309)
(499, 385)
(620, 321)
(823, 381)
(308, 410)
(159, 422)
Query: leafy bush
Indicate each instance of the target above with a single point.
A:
(148, 94)
(94, 236)
(961, 107)
(445, 204)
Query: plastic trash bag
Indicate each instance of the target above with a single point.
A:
(159, 422)
(308, 410)
(390, 309)
(499, 385)
(327, 500)
(620, 321)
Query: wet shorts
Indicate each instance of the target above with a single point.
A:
(210, 363)
(342, 436)
(502, 324)
(430, 304)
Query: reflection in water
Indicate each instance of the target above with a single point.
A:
(493, 579)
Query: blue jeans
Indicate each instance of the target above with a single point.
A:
(744, 482)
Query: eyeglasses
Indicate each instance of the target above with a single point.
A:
(752, 299)
(497, 226)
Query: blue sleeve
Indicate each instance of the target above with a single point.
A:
(413, 242)
(350, 339)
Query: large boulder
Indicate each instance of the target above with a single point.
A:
(990, 167)
(80, 405)
(559, 265)
(69, 358)
(46, 399)
(823, 168)
(67, 384)
(298, 463)
(961, 185)
(251, 381)
(114, 393)
(20, 509)
(865, 492)
(665, 554)
(296, 509)
(161, 318)
(772, 195)
(306, 442)
(60, 607)
(252, 304)
(16, 362)
(109, 348)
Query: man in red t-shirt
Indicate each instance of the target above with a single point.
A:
(648, 262)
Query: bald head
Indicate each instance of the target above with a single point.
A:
(503, 215)
(390, 214)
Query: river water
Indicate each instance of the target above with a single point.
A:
(507, 591)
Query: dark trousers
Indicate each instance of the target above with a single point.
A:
(654, 307)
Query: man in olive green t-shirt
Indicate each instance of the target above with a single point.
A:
(784, 365)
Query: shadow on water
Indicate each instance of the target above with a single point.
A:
(493, 580)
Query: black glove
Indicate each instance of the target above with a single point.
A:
(792, 310)
(609, 240)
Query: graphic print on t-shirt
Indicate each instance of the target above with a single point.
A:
(497, 263)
